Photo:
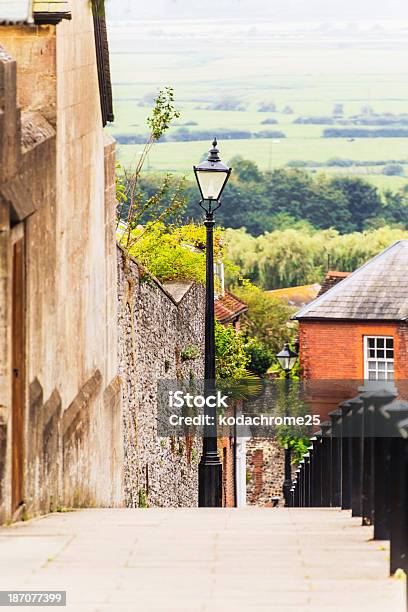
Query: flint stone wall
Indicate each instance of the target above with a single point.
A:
(157, 323)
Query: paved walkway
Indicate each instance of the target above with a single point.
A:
(187, 559)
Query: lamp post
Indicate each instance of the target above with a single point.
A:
(212, 176)
(287, 359)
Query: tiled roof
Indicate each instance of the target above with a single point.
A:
(332, 278)
(296, 296)
(28, 11)
(378, 291)
(228, 307)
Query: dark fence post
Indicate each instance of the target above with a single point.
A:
(302, 484)
(346, 461)
(398, 527)
(336, 429)
(316, 490)
(367, 508)
(395, 418)
(296, 497)
(356, 455)
(382, 465)
(306, 469)
(326, 450)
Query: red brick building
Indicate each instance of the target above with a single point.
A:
(357, 331)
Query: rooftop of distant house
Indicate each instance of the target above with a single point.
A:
(228, 307)
(297, 296)
(377, 291)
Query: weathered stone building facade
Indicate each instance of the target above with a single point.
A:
(159, 326)
(85, 335)
(60, 420)
(265, 470)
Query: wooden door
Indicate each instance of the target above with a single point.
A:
(18, 375)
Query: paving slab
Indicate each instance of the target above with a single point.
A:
(120, 560)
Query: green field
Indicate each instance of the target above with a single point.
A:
(179, 157)
(301, 66)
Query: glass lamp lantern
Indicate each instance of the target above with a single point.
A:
(287, 358)
(212, 175)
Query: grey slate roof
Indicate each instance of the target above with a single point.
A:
(15, 11)
(377, 291)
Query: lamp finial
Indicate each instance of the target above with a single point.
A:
(213, 153)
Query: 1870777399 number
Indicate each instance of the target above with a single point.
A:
(33, 598)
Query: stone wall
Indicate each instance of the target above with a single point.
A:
(265, 470)
(57, 196)
(157, 323)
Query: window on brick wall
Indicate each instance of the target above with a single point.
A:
(378, 358)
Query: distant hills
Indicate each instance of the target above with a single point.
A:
(279, 10)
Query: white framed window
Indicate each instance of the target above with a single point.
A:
(378, 358)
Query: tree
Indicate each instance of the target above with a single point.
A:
(327, 206)
(267, 317)
(245, 170)
(367, 110)
(279, 199)
(393, 170)
(267, 107)
(132, 203)
(287, 190)
(229, 103)
(363, 200)
(240, 202)
(269, 121)
(294, 256)
(396, 207)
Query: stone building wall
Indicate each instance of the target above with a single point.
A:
(57, 198)
(157, 323)
(265, 471)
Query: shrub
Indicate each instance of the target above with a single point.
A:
(260, 357)
(267, 107)
(340, 162)
(362, 133)
(393, 170)
(172, 253)
(267, 317)
(230, 355)
(314, 120)
(269, 134)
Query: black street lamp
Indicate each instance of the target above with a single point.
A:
(212, 176)
(287, 359)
